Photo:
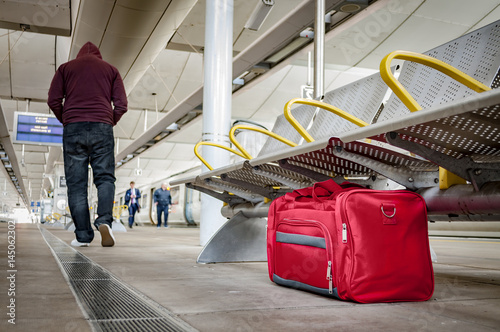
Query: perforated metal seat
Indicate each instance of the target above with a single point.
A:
(475, 134)
(282, 127)
(361, 99)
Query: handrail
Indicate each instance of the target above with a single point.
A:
(260, 130)
(402, 93)
(328, 107)
(218, 146)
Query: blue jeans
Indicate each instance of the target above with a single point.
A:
(159, 210)
(84, 143)
(132, 209)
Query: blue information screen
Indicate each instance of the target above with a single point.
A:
(38, 129)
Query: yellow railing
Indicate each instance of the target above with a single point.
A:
(269, 133)
(446, 178)
(325, 106)
(118, 210)
(402, 93)
(242, 151)
(218, 146)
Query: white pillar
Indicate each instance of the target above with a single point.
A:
(218, 63)
(319, 50)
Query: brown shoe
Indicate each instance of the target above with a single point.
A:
(107, 238)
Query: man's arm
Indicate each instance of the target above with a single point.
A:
(119, 98)
(56, 95)
(155, 197)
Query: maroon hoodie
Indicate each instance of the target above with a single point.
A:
(88, 85)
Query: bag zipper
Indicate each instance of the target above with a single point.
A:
(316, 223)
(344, 232)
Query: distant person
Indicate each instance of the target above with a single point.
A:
(131, 199)
(162, 201)
(87, 96)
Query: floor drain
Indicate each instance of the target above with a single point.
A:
(110, 304)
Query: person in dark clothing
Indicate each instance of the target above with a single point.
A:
(162, 201)
(88, 97)
(131, 199)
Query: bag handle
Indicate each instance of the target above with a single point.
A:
(319, 189)
(325, 188)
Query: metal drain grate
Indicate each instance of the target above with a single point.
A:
(109, 304)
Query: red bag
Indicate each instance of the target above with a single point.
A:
(351, 243)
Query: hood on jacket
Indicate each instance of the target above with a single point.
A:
(89, 48)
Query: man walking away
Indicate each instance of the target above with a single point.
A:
(94, 101)
(162, 201)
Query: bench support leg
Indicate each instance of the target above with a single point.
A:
(240, 239)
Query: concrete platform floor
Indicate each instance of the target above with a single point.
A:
(239, 297)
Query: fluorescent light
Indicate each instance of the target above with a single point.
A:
(259, 14)
(287, 50)
(351, 6)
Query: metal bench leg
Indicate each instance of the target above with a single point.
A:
(240, 239)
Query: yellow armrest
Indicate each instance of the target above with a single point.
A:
(402, 93)
(260, 130)
(218, 146)
(328, 107)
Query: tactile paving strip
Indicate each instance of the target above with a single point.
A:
(109, 304)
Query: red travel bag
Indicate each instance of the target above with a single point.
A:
(351, 243)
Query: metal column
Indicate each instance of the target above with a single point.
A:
(319, 50)
(218, 62)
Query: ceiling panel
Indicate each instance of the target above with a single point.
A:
(248, 102)
(31, 75)
(183, 89)
(413, 35)
(29, 44)
(141, 96)
(31, 148)
(339, 79)
(180, 151)
(287, 89)
(31, 79)
(169, 65)
(159, 151)
(356, 38)
(459, 12)
(127, 125)
(32, 158)
(160, 164)
(181, 166)
(492, 16)
(190, 133)
(138, 125)
(35, 168)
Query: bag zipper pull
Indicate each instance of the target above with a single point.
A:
(344, 233)
(329, 277)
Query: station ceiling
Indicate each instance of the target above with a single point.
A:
(158, 48)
